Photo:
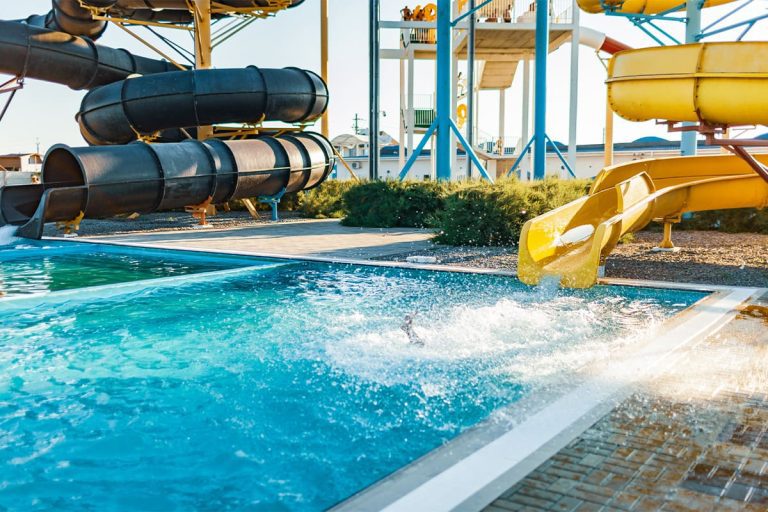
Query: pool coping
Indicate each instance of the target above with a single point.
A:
(476, 467)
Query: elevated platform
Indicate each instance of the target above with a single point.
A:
(500, 45)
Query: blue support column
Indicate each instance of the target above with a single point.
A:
(443, 125)
(443, 98)
(540, 87)
(373, 91)
(471, 84)
(692, 31)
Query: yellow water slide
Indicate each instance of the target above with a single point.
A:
(640, 6)
(714, 83)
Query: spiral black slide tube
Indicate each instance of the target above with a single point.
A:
(117, 113)
(69, 60)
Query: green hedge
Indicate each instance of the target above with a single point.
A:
(386, 204)
(743, 220)
(493, 214)
(325, 201)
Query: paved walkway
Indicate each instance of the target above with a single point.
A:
(694, 440)
(306, 238)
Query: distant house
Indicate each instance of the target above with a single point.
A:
(21, 162)
(349, 144)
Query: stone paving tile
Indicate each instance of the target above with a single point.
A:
(703, 450)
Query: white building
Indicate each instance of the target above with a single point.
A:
(589, 158)
(21, 162)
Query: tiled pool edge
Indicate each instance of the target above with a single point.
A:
(472, 470)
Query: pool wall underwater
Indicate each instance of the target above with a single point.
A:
(461, 417)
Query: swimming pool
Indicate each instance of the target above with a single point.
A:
(275, 383)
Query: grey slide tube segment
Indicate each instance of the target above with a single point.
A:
(68, 60)
(176, 4)
(70, 17)
(117, 113)
(139, 177)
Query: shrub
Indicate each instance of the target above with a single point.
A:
(740, 220)
(422, 202)
(375, 204)
(389, 204)
(484, 214)
(324, 201)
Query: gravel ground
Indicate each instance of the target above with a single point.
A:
(705, 257)
(169, 221)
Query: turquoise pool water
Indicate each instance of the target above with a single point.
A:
(50, 267)
(280, 388)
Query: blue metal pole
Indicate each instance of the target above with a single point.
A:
(540, 88)
(373, 86)
(471, 84)
(692, 31)
(443, 99)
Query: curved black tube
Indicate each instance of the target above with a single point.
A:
(139, 177)
(176, 4)
(116, 113)
(68, 60)
(70, 17)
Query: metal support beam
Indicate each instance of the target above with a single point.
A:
(525, 167)
(443, 125)
(411, 111)
(608, 146)
(443, 97)
(203, 48)
(573, 102)
(471, 84)
(454, 105)
(373, 86)
(502, 119)
(692, 31)
(401, 117)
(325, 129)
(540, 106)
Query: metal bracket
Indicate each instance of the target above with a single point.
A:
(713, 135)
(273, 201)
(12, 86)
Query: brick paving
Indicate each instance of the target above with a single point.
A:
(695, 439)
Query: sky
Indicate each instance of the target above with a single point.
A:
(45, 113)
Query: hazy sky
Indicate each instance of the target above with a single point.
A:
(45, 112)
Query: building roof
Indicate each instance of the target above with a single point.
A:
(16, 155)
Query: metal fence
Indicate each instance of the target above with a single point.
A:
(523, 11)
(499, 11)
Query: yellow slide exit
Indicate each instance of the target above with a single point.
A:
(719, 83)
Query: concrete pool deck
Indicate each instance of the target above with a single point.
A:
(694, 438)
(326, 238)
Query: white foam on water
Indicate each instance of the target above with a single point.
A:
(7, 235)
(512, 339)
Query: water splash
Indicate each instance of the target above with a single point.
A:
(7, 235)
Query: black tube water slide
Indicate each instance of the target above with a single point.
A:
(70, 17)
(112, 177)
(117, 113)
(77, 62)
(102, 181)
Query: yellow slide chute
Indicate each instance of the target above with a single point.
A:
(722, 83)
(716, 83)
(640, 6)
